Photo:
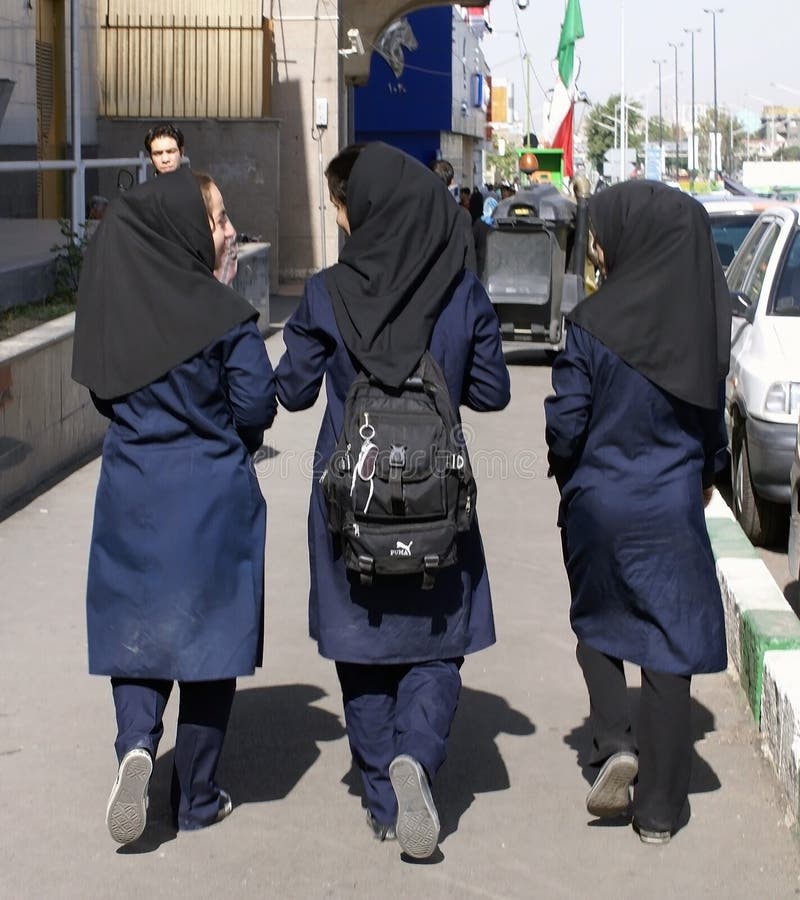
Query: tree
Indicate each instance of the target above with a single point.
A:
(729, 151)
(602, 129)
(506, 167)
(788, 154)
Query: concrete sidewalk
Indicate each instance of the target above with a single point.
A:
(511, 796)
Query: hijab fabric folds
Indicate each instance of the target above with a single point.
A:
(404, 254)
(147, 298)
(664, 307)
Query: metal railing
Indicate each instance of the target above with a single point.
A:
(78, 168)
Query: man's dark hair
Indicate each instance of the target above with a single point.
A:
(465, 192)
(163, 129)
(444, 170)
(339, 169)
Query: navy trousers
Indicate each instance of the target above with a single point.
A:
(397, 709)
(203, 715)
(664, 734)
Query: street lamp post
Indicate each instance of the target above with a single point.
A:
(659, 63)
(713, 13)
(677, 124)
(693, 166)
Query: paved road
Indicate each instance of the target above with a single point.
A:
(510, 796)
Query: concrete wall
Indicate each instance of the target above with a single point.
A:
(47, 421)
(242, 155)
(302, 186)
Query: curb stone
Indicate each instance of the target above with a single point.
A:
(763, 635)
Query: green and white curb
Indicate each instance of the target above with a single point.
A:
(763, 635)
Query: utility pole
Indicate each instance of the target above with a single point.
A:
(713, 14)
(677, 122)
(659, 63)
(692, 158)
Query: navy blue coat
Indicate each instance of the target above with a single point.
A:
(631, 461)
(398, 623)
(176, 568)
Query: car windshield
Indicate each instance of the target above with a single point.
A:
(729, 232)
(786, 300)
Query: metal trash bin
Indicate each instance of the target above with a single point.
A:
(528, 270)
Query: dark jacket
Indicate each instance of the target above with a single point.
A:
(631, 461)
(395, 621)
(176, 569)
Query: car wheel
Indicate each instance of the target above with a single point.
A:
(760, 519)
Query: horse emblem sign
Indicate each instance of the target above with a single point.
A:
(391, 43)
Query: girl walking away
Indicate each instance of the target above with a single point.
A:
(634, 429)
(176, 569)
(399, 640)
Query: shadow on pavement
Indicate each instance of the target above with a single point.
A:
(474, 764)
(525, 356)
(272, 740)
(703, 780)
(271, 743)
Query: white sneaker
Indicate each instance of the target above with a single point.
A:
(126, 814)
(610, 793)
(417, 819)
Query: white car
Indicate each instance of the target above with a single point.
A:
(763, 385)
(731, 220)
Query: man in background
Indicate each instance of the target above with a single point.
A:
(164, 145)
(444, 169)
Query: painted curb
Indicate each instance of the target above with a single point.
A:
(763, 635)
(780, 720)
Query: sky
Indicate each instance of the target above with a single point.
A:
(758, 49)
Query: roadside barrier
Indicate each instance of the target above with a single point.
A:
(763, 645)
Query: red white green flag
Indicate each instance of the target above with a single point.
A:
(559, 122)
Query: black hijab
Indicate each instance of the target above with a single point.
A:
(147, 298)
(664, 307)
(404, 253)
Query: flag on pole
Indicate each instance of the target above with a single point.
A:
(559, 122)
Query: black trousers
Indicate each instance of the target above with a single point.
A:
(203, 715)
(663, 731)
(394, 709)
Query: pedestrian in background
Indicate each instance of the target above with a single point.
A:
(443, 169)
(400, 286)
(175, 587)
(634, 431)
(164, 144)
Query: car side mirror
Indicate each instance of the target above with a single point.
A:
(742, 307)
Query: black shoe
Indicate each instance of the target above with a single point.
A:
(609, 795)
(417, 819)
(380, 831)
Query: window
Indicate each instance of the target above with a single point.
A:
(786, 299)
(754, 280)
(740, 265)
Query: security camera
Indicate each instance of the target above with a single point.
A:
(522, 4)
(354, 36)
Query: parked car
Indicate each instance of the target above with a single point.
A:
(794, 512)
(731, 220)
(763, 384)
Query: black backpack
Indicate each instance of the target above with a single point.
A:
(399, 485)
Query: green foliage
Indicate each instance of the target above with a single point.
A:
(68, 262)
(788, 154)
(601, 134)
(506, 166)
